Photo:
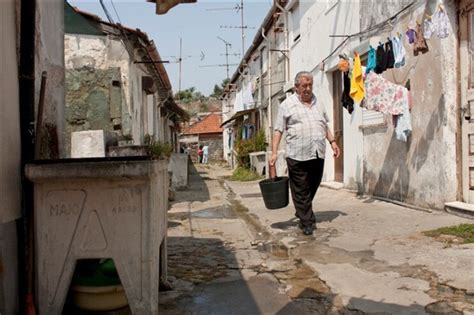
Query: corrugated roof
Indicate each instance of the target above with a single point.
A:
(209, 124)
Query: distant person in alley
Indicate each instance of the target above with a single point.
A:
(200, 154)
(305, 122)
(205, 154)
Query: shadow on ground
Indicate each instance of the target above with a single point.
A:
(197, 189)
(321, 216)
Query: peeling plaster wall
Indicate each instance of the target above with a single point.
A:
(49, 56)
(92, 63)
(423, 170)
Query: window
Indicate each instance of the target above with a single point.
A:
(263, 60)
(295, 21)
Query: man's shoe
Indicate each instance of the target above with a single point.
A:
(308, 230)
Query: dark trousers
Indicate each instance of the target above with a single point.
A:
(305, 177)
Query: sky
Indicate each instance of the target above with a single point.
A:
(198, 25)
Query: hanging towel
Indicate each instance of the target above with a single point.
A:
(371, 61)
(420, 41)
(441, 23)
(357, 81)
(399, 51)
(381, 59)
(428, 28)
(390, 55)
(346, 100)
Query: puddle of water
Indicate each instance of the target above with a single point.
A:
(275, 249)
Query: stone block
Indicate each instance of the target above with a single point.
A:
(91, 143)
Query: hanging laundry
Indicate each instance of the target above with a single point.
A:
(441, 23)
(399, 51)
(411, 34)
(343, 65)
(428, 28)
(390, 55)
(346, 100)
(381, 58)
(420, 41)
(382, 95)
(404, 128)
(371, 61)
(357, 81)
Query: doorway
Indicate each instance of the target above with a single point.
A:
(337, 88)
(467, 98)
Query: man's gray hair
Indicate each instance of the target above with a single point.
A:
(302, 74)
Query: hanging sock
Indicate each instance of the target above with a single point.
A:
(371, 61)
(399, 51)
(346, 100)
(357, 81)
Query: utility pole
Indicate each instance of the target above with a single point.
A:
(238, 7)
(242, 26)
(180, 59)
(227, 45)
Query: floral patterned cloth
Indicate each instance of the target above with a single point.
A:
(383, 96)
(389, 98)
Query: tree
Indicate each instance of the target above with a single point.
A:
(219, 90)
(189, 95)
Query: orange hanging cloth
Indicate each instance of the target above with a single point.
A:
(357, 81)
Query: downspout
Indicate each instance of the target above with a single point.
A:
(287, 45)
(269, 106)
(27, 117)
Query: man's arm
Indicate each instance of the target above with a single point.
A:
(333, 143)
(275, 144)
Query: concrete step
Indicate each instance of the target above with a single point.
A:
(462, 209)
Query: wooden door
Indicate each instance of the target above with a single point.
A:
(467, 98)
(338, 125)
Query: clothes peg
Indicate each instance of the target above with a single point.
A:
(428, 17)
(441, 7)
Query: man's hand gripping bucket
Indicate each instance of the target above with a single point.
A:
(274, 190)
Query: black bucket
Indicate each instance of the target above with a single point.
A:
(275, 192)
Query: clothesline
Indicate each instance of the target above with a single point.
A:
(368, 30)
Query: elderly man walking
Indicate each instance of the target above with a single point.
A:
(305, 122)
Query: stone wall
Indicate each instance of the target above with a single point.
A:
(93, 100)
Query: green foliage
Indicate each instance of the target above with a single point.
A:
(219, 89)
(244, 175)
(244, 147)
(189, 95)
(156, 149)
(464, 231)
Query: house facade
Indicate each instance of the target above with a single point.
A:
(434, 166)
(112, 84)
(206, 131)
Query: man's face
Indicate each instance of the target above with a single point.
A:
(305, 89)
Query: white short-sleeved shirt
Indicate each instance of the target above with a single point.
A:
(305, 128)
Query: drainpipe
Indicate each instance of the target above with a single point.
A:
(269, 72)
(287, 45)
(27, 117)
